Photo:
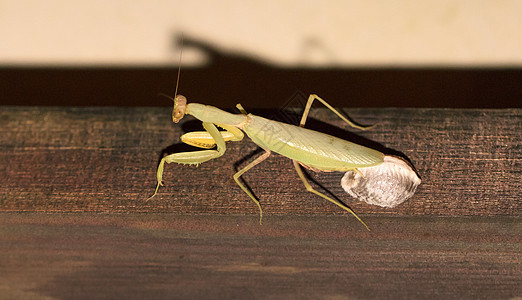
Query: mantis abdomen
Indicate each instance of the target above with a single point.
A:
(311, 148)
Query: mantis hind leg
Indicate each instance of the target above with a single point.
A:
(194, 157)
(244, 188)
(311, 189)
(309, 105)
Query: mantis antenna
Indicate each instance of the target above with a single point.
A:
(180, 102)
(177, 79)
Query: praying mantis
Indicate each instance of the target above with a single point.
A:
(371, 176)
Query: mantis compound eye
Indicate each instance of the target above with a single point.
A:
(388, 184)
(180, 106)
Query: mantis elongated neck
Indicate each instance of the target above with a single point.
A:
(207, 113)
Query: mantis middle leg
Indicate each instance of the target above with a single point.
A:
(244, 188)
(309, 105)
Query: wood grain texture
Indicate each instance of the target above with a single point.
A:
(74, 222)
(97, 159)
(166, 256)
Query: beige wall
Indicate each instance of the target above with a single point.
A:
(284, 32)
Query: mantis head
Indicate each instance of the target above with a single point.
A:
(180, 106)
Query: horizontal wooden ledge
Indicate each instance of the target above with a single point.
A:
(169, 255)
(103, 159)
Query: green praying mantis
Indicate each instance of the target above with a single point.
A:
(371, 176)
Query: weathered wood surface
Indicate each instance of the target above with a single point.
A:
(74, 222)
(166, 256)
(56, 159)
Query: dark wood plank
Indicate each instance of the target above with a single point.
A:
(62, 161)
(166, 256)
(104, 160)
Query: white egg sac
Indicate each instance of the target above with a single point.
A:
(388, 184)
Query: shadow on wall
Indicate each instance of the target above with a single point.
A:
(228, 79)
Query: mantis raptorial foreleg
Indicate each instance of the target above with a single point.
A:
(309, 105)
(244, 188)
(311, 189)
(196, 157)
(203, 139)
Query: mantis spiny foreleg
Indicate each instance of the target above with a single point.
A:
(203, 139)
(194, 157)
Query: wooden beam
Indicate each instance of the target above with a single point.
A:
(95, 159)
(166, 256)
(74, 222)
